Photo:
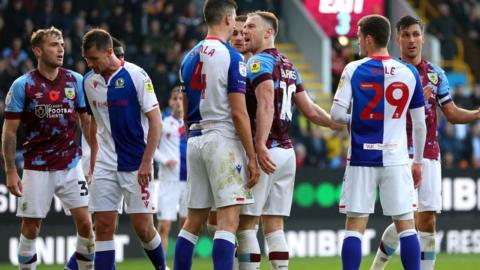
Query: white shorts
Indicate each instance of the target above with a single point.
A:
(110, 189)
(171, 200)
(394, 183)
(429, 194)
(217, 172)
(273, 193)
(40, 186)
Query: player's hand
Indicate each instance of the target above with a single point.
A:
(264, 160)
(427, 92)
(253, 172)
(14, 184)
(145, 173)
(89, 176)
(171, 164)
(336, 126)
(417, 174)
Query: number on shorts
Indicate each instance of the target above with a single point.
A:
(145, 193)
(83, 187)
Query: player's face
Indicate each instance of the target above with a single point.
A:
(52, 51)
(97, 60)
(176, 103)
(231, 20)
(410, 41)
(237, 40)
(254, 33)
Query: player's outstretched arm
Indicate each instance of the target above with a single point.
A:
(313, 112)
(419, 133)
(457, 115)
(264, 93)
(145, 174)
(9, 144)
(241, 121)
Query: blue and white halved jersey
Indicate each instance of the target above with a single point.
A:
(119, 105)
(209, 72)
(380, 90)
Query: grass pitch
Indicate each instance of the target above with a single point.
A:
(444, 262)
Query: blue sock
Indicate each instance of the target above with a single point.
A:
(154, 251)
(72, 262)
(410, 250)
(223, 250)
(184, 250)
(104, 255)
(352, 250)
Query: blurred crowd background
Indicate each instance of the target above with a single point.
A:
(157, 33)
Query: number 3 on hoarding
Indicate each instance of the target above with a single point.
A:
(398, 102)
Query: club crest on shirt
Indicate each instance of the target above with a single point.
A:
(433, 77)
(70, 92)
(255, 66)
(242, 68)
(120, 83)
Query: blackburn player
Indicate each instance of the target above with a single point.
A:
(171, 154)
(273, 86)
(127, 118)
(238, 42)
(220, 150)
(380, 90)
(410, 38)
(47, 101)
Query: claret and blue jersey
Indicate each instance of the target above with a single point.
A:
(119, 105)
(209, 72)
(380, 91)
(271, 65)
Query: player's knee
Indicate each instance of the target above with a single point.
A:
(30, 230)
(164, 227)
(84, 227)
(144, 231)
(426, 222)
(104, 228)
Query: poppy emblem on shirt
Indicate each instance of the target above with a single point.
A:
(433, 77)
(53, 95)
(70, 92)
(255, 66)
(120, 83)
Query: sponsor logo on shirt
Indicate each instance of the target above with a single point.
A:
(120, 103)
(51, 111)
(148, 86)
(120, 83)
(8, 99)
(70, 92)
(255, 66)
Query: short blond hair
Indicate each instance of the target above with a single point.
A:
(38, 37)
(268, 17)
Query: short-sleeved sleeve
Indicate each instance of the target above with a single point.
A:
(343, 96)
(298, 82)
(81, 105)
(259, 69)
(146, 94)
(417, 99)
(15, 100)
(443, 95)
(236, 73)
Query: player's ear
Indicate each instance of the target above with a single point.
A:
(109, 51)
(37, 51)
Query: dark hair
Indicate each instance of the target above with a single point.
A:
(39, 36)
(268, 17)
(98, 38)
(175, 90)
(378, 27)
(407, 21)
(241, 18)
(117, 47)
(215, 10)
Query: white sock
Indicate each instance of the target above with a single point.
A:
(27, 253)
(211, 229)
(277, 250)
(189, 236)
(86, 248)
(386, 250)
(248, 250)
(427, 250)
(154, 243)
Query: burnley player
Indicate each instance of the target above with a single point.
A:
(171, 154)
(47, 101)
(221, 160)
(410, 38)
(126, 114)
(380, 90)
(273, 86)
